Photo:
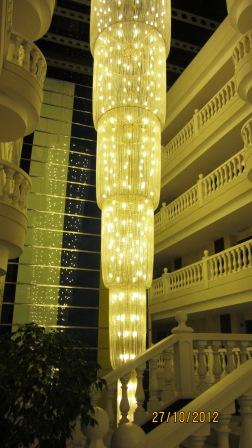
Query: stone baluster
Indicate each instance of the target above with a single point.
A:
(7, 189)
(140, 396)
(124, 404)
(27, 56)
(17, 183)
(223, 429)
(23, 194)
(109, 408)
(168, 391)
(245, 402)
(197, 440)
(154, 403)
(34, 61)
(217, 368)
(200, 189)
(202, 368)
(230, 357)
(243, 353)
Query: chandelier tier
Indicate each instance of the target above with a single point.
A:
(129, 41)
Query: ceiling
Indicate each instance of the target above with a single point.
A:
(66, 45)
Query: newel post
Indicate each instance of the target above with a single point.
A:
(183, 357)
(165, 277)
(200, 189)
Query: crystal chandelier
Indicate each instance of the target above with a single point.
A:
(130, 40)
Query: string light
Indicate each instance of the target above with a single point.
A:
(129, 41)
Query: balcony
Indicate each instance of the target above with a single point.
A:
(216, 202)
(21, 80)
(38, 13)
(220, 280)
(197, 144)
(14, 187)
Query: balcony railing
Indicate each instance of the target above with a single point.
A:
(205, 187)
(27, 55)
(225, 263)
(202, 117)
(14, 186)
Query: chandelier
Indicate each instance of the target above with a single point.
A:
(130, 40)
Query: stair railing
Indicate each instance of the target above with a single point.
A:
(213, 407)
(182, 365)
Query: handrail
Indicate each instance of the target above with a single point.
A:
(201, 117)
(226, 262)
(221, 337)
(27, 55)
(217, 397)
(216, 179)
(150, 353)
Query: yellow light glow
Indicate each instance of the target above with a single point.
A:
(128, 155)
(129, 41)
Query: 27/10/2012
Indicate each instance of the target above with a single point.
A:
(186, 417)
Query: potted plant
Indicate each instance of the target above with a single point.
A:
(45, 384)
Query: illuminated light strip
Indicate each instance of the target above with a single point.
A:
(129, 46)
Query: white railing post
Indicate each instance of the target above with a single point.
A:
(140, 413)
(124, 405)
(200, 189)
(202, 368)
(197, 440)
(183, 357)
(205, 272)
(246, 420)
(223, 429)
(196, 122)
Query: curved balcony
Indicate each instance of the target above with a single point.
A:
(216, 281)
(21, 88)
(240, 13)
(208, 207)
(242, 57)
(14, 187)
(189, 150)
(37, 13)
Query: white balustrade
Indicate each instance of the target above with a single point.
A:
(186, 277)
(180, 139)
(230, 260)
(246, 133)
(224, 174)
(217, 102)
(14, 185)
(242, 48)
(210, 268)
(198, 193)
(201, 117)
(215, 358)
(27, 55)
(216, 355)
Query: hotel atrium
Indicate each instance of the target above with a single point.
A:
(190, 336)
